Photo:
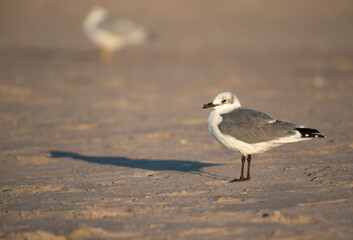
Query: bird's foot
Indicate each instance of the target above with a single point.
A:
(241, 179)
(247, 178)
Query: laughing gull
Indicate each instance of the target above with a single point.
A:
(248, 131)
(112, 32)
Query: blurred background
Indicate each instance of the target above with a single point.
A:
(260, 26)
(260, 50)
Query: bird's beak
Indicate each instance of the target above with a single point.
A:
(208, 105)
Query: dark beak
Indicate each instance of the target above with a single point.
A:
(208, 105)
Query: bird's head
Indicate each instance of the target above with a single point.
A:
(223, 102)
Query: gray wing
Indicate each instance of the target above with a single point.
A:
(251, 126)
(119, 25)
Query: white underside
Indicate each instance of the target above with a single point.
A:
(244, 148)
(107, 40)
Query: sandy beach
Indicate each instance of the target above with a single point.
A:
(120, 150)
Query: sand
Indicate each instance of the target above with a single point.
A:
(120, 149)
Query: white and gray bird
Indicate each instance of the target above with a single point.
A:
(248, 131)
(112, 32)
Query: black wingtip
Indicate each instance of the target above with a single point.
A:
(310, 133)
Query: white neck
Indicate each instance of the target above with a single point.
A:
(93, 18)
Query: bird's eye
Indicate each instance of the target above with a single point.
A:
(224, 100)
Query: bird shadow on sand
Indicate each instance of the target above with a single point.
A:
(146, 164)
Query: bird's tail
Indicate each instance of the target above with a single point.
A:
(310, 133)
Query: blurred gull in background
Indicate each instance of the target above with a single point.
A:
(111, 32)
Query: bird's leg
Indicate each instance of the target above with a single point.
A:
(107, 55)
(248, 172)
(242, 169)
(241, 179)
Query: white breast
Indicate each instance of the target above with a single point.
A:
(214, 119)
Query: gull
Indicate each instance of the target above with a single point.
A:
(248, 131)
(112, 32)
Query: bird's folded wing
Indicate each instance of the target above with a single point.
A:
(251, 126)
(118, 25)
